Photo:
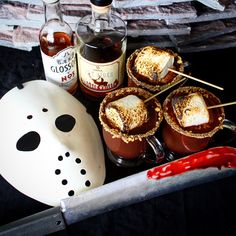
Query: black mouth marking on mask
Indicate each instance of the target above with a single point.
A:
(60, 158)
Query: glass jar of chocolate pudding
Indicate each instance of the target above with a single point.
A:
(142, 73)
(186, 140)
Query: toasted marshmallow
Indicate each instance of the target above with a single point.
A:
(127, 113)
(191, 110)
(153, 63)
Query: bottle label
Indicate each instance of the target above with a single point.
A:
(61, 69)
(101, 77)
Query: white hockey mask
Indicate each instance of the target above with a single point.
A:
(50, 146)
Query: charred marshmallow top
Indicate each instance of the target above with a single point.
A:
(190, 110)
(153, 63)
(127, 113)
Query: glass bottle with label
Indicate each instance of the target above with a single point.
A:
(58, 49)
(102, 47)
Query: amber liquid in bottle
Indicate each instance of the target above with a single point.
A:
(57, 48)
(103, 49)
(61, 41)
(102, 38)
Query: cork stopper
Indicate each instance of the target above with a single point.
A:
(50, 1)
(101, 3)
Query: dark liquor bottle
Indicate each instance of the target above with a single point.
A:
(102, 39)
(57, 48)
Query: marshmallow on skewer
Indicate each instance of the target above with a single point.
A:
(127, 113)
(191, 110)
(153, 63)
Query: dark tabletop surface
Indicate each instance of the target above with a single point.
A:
(206, 209)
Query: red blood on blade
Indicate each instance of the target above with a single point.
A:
(213, 157)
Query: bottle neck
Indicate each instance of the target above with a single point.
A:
(101, 17)
(52, 11)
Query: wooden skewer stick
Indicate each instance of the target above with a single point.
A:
(196, 79)
(222, 105)
(154, 95)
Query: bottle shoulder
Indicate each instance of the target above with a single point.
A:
(55, 25)
(55, 36)
(87, 28)
(112, 16)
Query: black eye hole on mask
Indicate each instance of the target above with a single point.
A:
(28, 142)
(65, 123)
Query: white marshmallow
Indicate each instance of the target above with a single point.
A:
(127, 113)
(153, 63)
(191, 110)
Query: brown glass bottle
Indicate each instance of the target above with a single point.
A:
(57, 48)
(101, 59)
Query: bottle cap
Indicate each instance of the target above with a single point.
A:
(101, 3)
(50, 1)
